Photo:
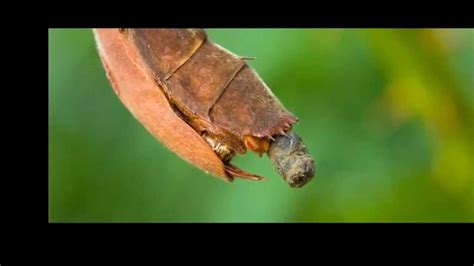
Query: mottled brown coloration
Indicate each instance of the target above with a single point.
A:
(249, 108)
(208, 72)
(216, 89)
(166, 50)
(203, 102)
(147, 102)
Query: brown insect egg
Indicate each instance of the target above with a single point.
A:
(201, 101)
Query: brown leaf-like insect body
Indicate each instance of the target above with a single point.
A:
(210, 90)
(147, 102)
(212, 86)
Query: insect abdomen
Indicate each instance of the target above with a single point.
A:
(222, 150)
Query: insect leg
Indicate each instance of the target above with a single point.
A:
(236, 172)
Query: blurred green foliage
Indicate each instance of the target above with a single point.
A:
(388, 115)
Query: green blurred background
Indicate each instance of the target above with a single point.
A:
(388, 115)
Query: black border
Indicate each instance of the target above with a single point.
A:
(431, 240)
(267, 15)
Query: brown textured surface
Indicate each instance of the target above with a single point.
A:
(248, 107)
(200, 82)
(165, 50)
(145, 100)
(213, 86)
